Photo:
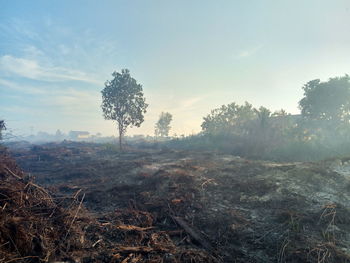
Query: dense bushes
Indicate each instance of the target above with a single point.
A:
(288, 150)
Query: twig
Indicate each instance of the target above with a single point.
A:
(15, 259)
(29, 183)
(77, 193)
(75, 216)
(281, 254)
(141, 249)
(196, 236)
(4, 245)
(266, 233)
(14, 245)
(98, 241)
(12, 173)
(133, 228)
(206, 182)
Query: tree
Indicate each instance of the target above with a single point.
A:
(262, 135)
(229, 119)
(123, 101)
(2, 127)
(162, 127)
(328, 101)
(263, 115)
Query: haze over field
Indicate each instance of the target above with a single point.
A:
(190, 57)
(175, 131)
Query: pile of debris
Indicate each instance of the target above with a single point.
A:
(33, 226)
(131, 236)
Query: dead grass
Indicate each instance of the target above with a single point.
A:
(33, 228)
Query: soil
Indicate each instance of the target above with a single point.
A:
(180, 206)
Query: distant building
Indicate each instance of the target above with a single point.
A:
(79, 135)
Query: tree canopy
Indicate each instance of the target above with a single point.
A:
(231, 118)
(162, 127)
(123, 101)
(329, 101)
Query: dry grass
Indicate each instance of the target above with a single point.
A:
(33, 228)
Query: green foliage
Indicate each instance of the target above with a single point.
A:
(245, 130)
(123, 101)
(325, 108)
(328, 100)
(229, 119)
(162, 127)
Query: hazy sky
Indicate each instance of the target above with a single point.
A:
(190, 57)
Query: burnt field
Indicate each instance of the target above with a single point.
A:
(178, 206)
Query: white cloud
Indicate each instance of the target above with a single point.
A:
(76, 98)
(68, 101)
(30, 68)
(23, 67)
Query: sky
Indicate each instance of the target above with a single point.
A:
(190, 56)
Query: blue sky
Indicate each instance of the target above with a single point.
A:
(190, 57)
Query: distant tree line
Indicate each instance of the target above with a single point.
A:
(320, 131)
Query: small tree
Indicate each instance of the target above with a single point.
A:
(162, 127)
(123, 102)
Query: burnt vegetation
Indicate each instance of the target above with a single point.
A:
(91, 205)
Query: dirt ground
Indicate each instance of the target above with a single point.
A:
(173, 206)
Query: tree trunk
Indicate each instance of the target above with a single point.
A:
(120, 137)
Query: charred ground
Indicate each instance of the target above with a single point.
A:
(180, 206)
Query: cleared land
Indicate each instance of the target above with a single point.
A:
(171, 206)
